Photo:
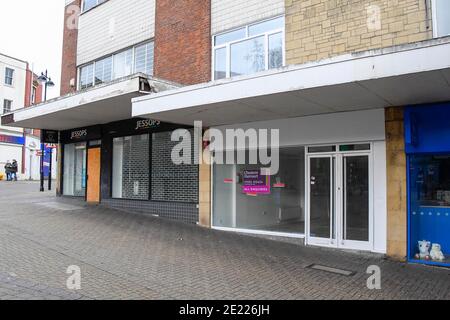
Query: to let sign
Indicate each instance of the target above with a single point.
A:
(255, 182)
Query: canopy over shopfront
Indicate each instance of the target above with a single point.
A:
(395, 76)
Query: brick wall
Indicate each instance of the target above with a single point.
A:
(183, 41)
(396, 184)
(69, 53)
(318, 29)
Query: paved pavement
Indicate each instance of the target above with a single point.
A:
(132, 256)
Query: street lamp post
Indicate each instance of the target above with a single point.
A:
(48, 83)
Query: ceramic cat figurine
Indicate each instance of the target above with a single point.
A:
(424, 249)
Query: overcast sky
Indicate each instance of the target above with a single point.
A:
(32, 31)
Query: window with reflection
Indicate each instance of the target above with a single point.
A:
(247, 50)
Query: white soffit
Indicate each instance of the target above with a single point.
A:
(98, 105)
(410, 74)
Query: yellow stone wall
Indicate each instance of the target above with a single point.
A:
(319, 29)
(396, 184)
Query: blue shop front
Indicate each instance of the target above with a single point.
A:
(427, 145)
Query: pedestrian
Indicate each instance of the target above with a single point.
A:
(14, 169)
(8, 170)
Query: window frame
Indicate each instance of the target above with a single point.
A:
(435, 21)
(4, 106)
(133, 64)
(9, 77)
(228, 45)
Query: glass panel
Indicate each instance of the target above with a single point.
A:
(442, 17)
(230, 36)
(322, 149)
(131, 161)
(103, 70)
(144, 58)
(320, 197)
(220, 63)
(429, 179)
(88, 4)
(75, 170)
(276, 50)
(354, 147)
(9, 76)
(266, 26)
(123, 64)
(248, 57)
(272, 203)
(87, 76)
(170, 181)
(356, 198)
(223, 204)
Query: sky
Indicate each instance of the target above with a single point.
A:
(32, 30)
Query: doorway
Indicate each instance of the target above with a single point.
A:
(339, 208)
(93, 175)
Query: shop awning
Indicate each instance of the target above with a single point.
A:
(396, 76)
(98, 105)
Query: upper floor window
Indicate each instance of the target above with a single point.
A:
(121, 64)
(441, 18)
(7, 106)
(9, 76)
(33, 95)
(89, 4)
(249, 49)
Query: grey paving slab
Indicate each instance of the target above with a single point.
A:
(132, 256)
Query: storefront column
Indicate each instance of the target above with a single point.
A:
(396, 184)
(205, 193)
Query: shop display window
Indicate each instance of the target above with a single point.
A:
(75, 170)
(246, 197)
(429, 184)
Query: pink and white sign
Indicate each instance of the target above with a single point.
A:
(255, 182)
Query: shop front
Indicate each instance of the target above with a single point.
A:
(427, 144)
(127, 165)
(324, 189)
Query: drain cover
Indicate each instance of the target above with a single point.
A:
(342, 272)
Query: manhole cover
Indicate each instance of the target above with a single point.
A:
(341, 272)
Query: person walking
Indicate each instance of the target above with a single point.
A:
(14, 169)
(8, 170)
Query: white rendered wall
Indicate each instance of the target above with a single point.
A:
(114, 25)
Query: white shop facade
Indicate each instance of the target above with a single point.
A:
(330, 187)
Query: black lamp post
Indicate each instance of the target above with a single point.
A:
(47, 82)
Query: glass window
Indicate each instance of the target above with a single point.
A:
(230, 36)
(123, 64)
(244, 51)
(89, 4)
(246, 198)
(429, 185)
(220, 63)
(74, 170)
(276, 50)
(7, 106)
(172, 182)
(247, 57)
(442, 17)
(354, 147)
(131, 167)
(103, 70)
(266, 26)
(322, 149)
(87, 76)
(9, 76)
(144, 58)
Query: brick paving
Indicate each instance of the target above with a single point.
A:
(124, 255)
